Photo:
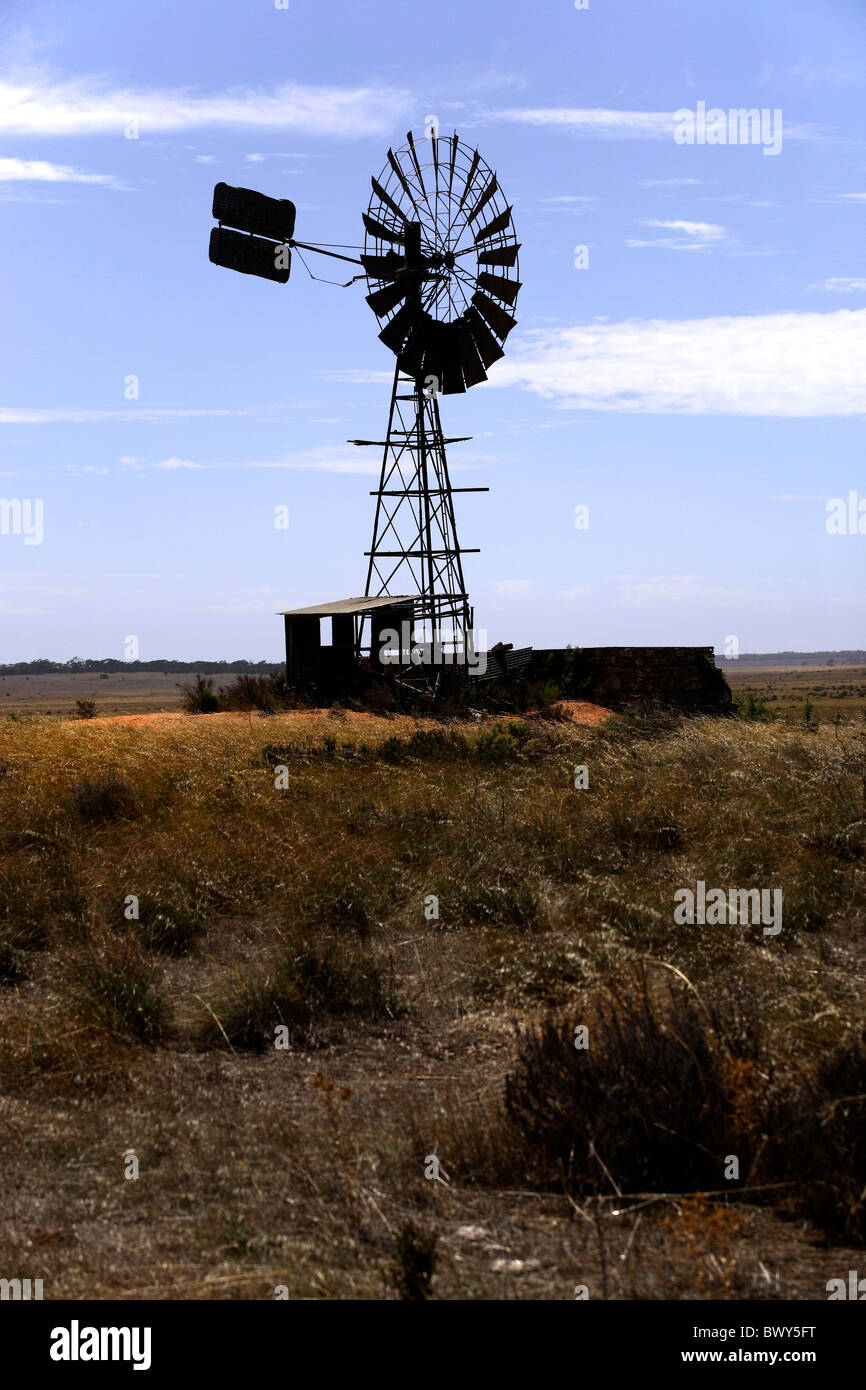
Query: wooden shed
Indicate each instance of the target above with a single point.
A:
(308, 661)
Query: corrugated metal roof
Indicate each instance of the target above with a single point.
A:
(349, 605)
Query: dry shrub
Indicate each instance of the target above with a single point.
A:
(709, 1235)
(654, 1103)
(818, 1141)
(670, 1086)
(414, 1263)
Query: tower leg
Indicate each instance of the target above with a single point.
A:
(415, 548)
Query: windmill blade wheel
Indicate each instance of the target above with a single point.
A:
(441, 259)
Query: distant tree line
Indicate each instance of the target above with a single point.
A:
(842, 658)
(79, 665)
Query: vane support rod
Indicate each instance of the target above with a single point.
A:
(306, 246)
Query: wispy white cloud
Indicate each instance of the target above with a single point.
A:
(573, 203)
(238, 604)
(688, 236)
(635, 592)
(833, 74)
(668, 183)
(512, 588)
(745, 198)
(323, 459)
(607, 123)
(10, 607)
(39, 104)
(359, 376)
(41, 171)
(601, 121)
(22, 415)
(842, 284)
(784, 365)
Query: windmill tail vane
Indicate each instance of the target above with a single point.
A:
(440, 258)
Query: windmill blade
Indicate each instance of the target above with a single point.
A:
(473, 371)
(473, 168)
(440, 360)
(401, 177)
(500, 255)
(386, 267)
(431, 366)
(484, 199)
(388, 200)
(454, 146)
(488, 349)
(411, 359)
(415, 162)
(384, 300)
(451, 380)
(497, 225)
(506, 290)
(395, 333)
(499, 321)
(383, 233)
(435, 143)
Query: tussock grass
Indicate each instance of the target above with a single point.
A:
(104, 797)
(307, 987)
(116, 987)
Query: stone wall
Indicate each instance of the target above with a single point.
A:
(617, 676)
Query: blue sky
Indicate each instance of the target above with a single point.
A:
(700, 386)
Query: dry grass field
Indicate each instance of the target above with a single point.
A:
(120, 692)
(290, 1003)
(834, 691)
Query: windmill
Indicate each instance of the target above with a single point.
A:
(440, 258)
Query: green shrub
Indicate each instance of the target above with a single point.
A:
(753, 708)
(199, 697)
